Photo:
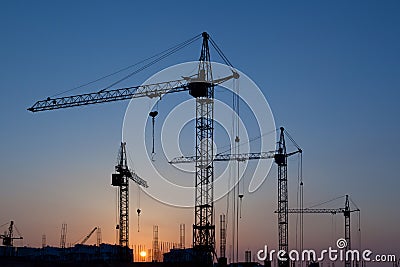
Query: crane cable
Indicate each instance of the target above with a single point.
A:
(235, 195)
(241, 194)
(237, 151)
(292, 140)
(220, 53)
(359, 221)
(16, 230)
(235, 102)
(297, 204)
(301, 205)
(299, 200)
(333, 228)
(173, 51)
(158, 57)
(4, 224)
(138, 209)
(359, 230)
(116, 214)
(153, 115)
(325, 202)
(353, 203)
(302, 202)
(19, 234)
(245, 142)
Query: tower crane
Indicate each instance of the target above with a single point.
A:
(121, 180)
(8, 237)
(201, 87)
(346, 212)
(280, 156)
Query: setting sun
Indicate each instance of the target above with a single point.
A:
(143, 253)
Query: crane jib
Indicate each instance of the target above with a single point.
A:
(153, 90)
(195, 88)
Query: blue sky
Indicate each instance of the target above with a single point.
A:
(329, 70)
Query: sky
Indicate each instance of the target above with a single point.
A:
(329, 70)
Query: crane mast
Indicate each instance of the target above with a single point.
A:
(203, 90)
(121, 180)
(283, 230)
(123, 184)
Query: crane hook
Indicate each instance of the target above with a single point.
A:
(138, 214)
(240, 208)
(153, 115)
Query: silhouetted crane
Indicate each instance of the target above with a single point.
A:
(346, 212)
(8, 237)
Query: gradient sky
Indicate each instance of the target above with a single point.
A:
(329, 69)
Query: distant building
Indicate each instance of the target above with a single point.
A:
(78, 253)
(179, 256)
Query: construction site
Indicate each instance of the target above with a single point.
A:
(210, 233)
